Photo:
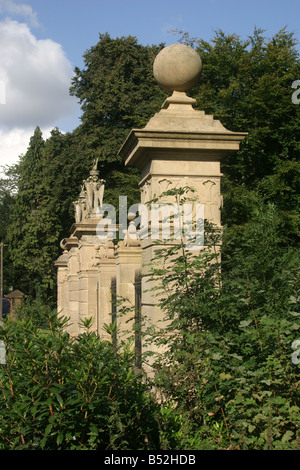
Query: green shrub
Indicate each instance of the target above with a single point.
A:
(62, 393)
(226, 361)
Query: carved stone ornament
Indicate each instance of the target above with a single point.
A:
(91, 196)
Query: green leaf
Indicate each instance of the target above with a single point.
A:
(48, 429)
(216, 356)
(287, 436)
(59, 439)
(251, 428)
(245, 323)
(224, 376)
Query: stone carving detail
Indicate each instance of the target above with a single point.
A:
(212, 200)
(80, 206)
(164, 185)
(132, 234)
(91, 196)
(209, 190)
(146, 194)
(104, 251)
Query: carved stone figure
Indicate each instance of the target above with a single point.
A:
(94, 189)
(80, 206)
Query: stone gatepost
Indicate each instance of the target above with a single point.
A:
(180, 146)
(77, 267)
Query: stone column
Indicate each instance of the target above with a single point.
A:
(106, 284)
(128, 264)
(88, 297)
(80, 299)
(73, 286)
(62, 273)
(180, 146)
(88, 281)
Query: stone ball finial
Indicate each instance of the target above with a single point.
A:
(177, 68)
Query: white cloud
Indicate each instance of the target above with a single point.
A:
(35, 76)
(14, 143)
(12, 8)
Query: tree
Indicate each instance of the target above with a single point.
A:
(34, 228)
(7, 189)
(247, 84)
(117, 92)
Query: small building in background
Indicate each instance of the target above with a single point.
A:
(15, 299)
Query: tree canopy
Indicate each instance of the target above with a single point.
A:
(247, 85)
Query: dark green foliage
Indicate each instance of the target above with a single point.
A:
(117, 92)
(59, 393)
(227, 361)
(115, 85)
(7, 187)
(33, 231)
(247, 84)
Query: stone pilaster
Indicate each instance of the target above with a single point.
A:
(107, 272)
(128, 266)
(73, 286)
(62, 273)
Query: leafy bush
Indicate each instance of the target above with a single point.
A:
(61, 393)
(226, 352)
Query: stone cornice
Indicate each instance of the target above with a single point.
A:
(188, 145)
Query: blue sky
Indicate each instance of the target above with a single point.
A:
(76, 23)
(41, 41)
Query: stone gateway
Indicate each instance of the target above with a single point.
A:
(179, 147)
